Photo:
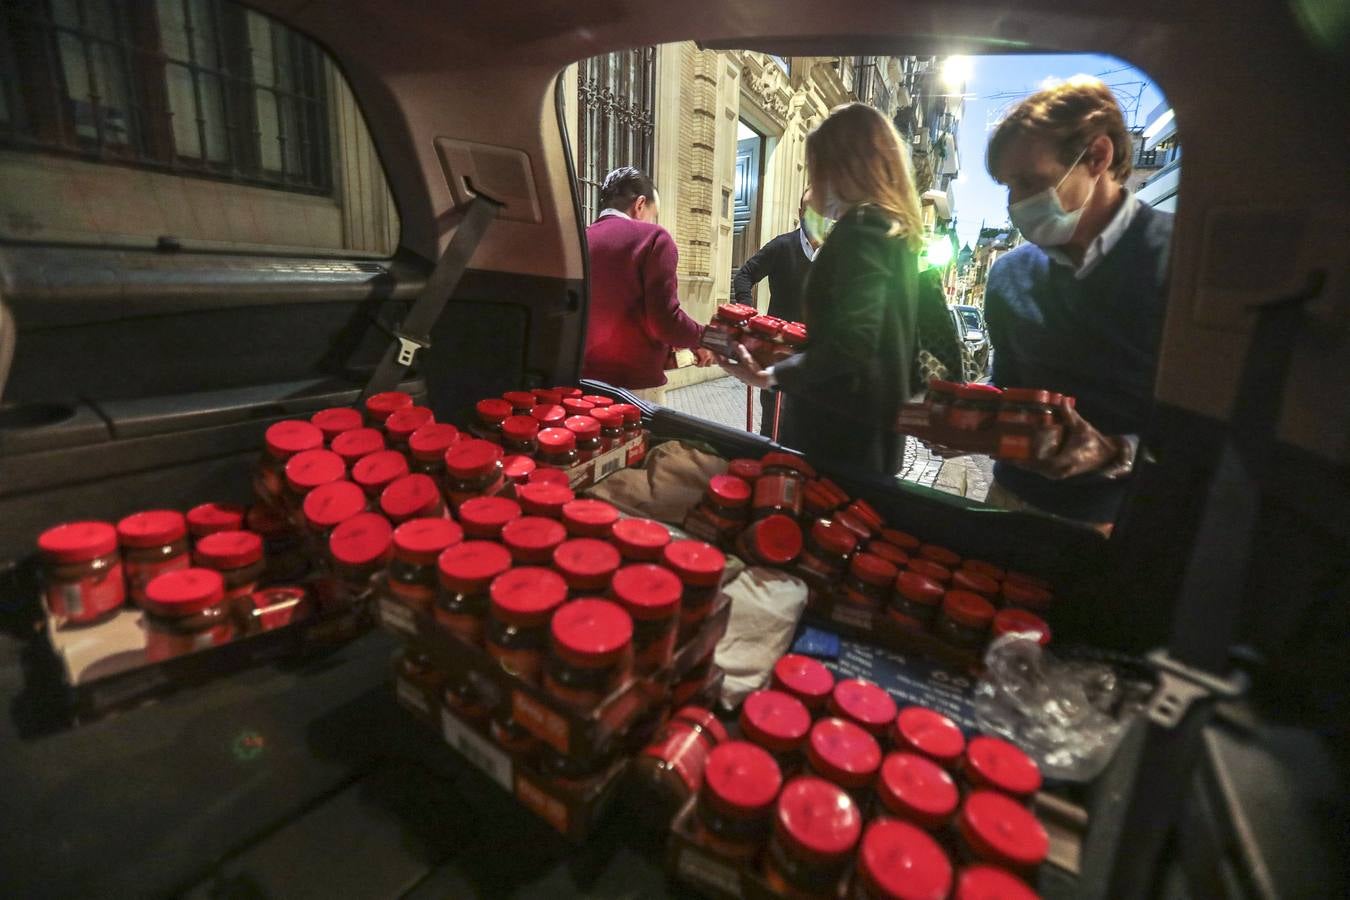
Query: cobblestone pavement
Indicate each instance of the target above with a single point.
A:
(723, 401)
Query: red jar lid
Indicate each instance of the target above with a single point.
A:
(557, 440)
(74, 542)
(584, 427)
(867, 512)
(834, 537)
(967, 580)
(547, 395)
(1026, 395)
(897, 861)
(982, 392)
(608, 418)
(919, 588)
(775, 720)
(840, 496)
(702, 718)
(930, 733)
(698, 564)
(336, 420)
(818, 500)
(905, 541)
(791, 461)
(591, 633)
(1029, 595)
(544, 498)
(804, 678)
(940, 555)
(598, 401)
(983, 882)
(152, 529)
(420, 542)
(766, 326)
(640, 539)
(938, 386)
(291, 436)
(361, 540)
(968, 609)
(996, 764)
(631, 414)
(359, 442)
(863, 703)
(745, 469)
(1001, 830)
(843, 752)
(794, 333)
(817, 820)
(211, 517)
(549, 475)
(228, 550)
(649, 592)
(484, 517)
(402, 423)
(520, 428)
(185, 592)
(379, 406)
(929, 569)
(589, 518)
(550, 415)
(735, 313)
(777, 539)
(576, 406)
(519, 399)
(917, 789)
(518, 467)
(855, 525)
(872, 569)
(527, 595)
(409, 496)
(429, 443)
(741, 780)
(1007, 621)
(310, 468)
(469, 567)
(331, 504)
(568, 391)
(728, 490)
(472, 458)
(987, 569)
(493, 410)
(587, 564)
(532, 539)
(376, 471)
(889, 552)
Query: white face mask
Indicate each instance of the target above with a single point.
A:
(1041, 217)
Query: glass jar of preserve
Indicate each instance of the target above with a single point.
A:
(889, 552)
(558, 448)
(994, 764)
(847, 519)
(237, 556)
(868, 515)
(377, 471)
(531, 540)
(416, 667)
(1012, 620)
(306, 471)
(864, 704)
(153, 543)
(650, 594)
(965, 619)
(700, 568)
(589, 518)
(510, 735)
(804, 678)
(524, 599)
(761, 337)
(598, 401)
(427, 446)
(518, 468)
(640, 540)
(569, 774)
(520, 435)
(825, 558)
(544, 499)
(549, 415)
(358, 443)
(902, 539)
(632, 420)
(670, 769)
(328, 506)
(335, 420)
(587, 565)
(208, 518)
(466, 572)
(725, 505)
(949, 559)
(586, 430)
(735, 804)
(380, 406)
(931, 570)
(779, 723)
(590, 652)
(917, 790)
(987, 569)
(940, 397)
(484, 517)
(282, 440)
(1028, 407)
(772, 541)
(975, 583)
(1022, 595)
(817, 502)
(781, 463)
(916, 601)
(995, 829)
(869, 581)
(794, 339)
(577, 406)
(276, 607)
(521, 402)
(418, 544)
(473, 468)
(745, 469)
(283, 544)
(401, 425)
(185, 611)
(778, 492)
(981, 882)
(611, 427)
(974, 407)
(816, 827)
(552, 396)
(491, 413)
(359, 548)
(928, 733)
(81, 572)
(695, 682)
(566, 392)
(897, 861)
(844, 754)
(549, 476)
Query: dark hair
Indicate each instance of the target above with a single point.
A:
(623, 186)
(1071, 115)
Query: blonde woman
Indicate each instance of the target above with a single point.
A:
(841, 394)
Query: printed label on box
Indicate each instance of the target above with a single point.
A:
(608, 463)
(540, 721)
(550, 809)
(396, 616)
(411, 696)
(485, 756)
(699, 868)
(856, 616)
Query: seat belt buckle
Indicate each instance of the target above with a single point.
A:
(408, 347)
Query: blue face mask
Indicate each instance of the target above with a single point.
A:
(1042, 218)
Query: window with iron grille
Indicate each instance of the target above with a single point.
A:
(616, 96)
(199, 87)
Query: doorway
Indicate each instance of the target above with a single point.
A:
(746, 198)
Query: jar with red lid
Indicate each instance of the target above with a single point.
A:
(611, 427)
(735, 804)
(571, 775)
(237, 556)
(916, 601)
(817, 502)
(185, 611)
(902, 539)
(549, 476)
(815, 830)
(699, 567)
(568, 392)
(868, 516)
(794, 339)
(521, 402)
(520, 434)
(377, 471)
(779, 723)
(549, 415)
(466, 571)
(491, 413)
(640, 540)
(359, 548)
(762, 335)
(545, 499)
(152, 543)
(418, 544)
(518, 468)
(577, 406)
(778, 492)
(974, 407)
(869, 581)
(547, 395)
(401, 425)
(484, 517)
(208, 518)
(804, 678)
(779, 462)
(1028, 407)
(865, 704)
(81, 572)
(695, 681)
(725, 508)
(380, 406)
(965, 620)
(523, 600)
(941, 555)
(427, 446)
(283, 543)
(510, 735)
(968, 580)
(531, 540)
(940, 396)
(928, 733)
(916, 789)
(897, 861)
(745, 469)
(473, 468)
(587, 565)
(845, 754)
(599, 401)
(650, 594)
(335, 420)
(995, 829)
(589, 518)
(726, 329)
(825, 558)
(276, 607)
(772, 541)
(932, 570)
(632, 421)
(1011, 621)
(356, 444)
(306, 471)
(416, 667)
(558, 448)
(994, 764)
(889, 552)
(987, 569)
(855, 525)
(591, 652)
(670, 769)
(328, 506)
(984, 882)
(1023, 595)
(282, 440)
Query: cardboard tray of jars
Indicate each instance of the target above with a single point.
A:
(999, 440)
(587, 474)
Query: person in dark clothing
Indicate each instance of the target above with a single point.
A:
(843, 390)
(784, 261)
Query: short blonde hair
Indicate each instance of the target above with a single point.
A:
(856, 153)
(1071, 116)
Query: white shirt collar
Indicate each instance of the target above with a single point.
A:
(1103, 243)
(606, 213)
(806, 245)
